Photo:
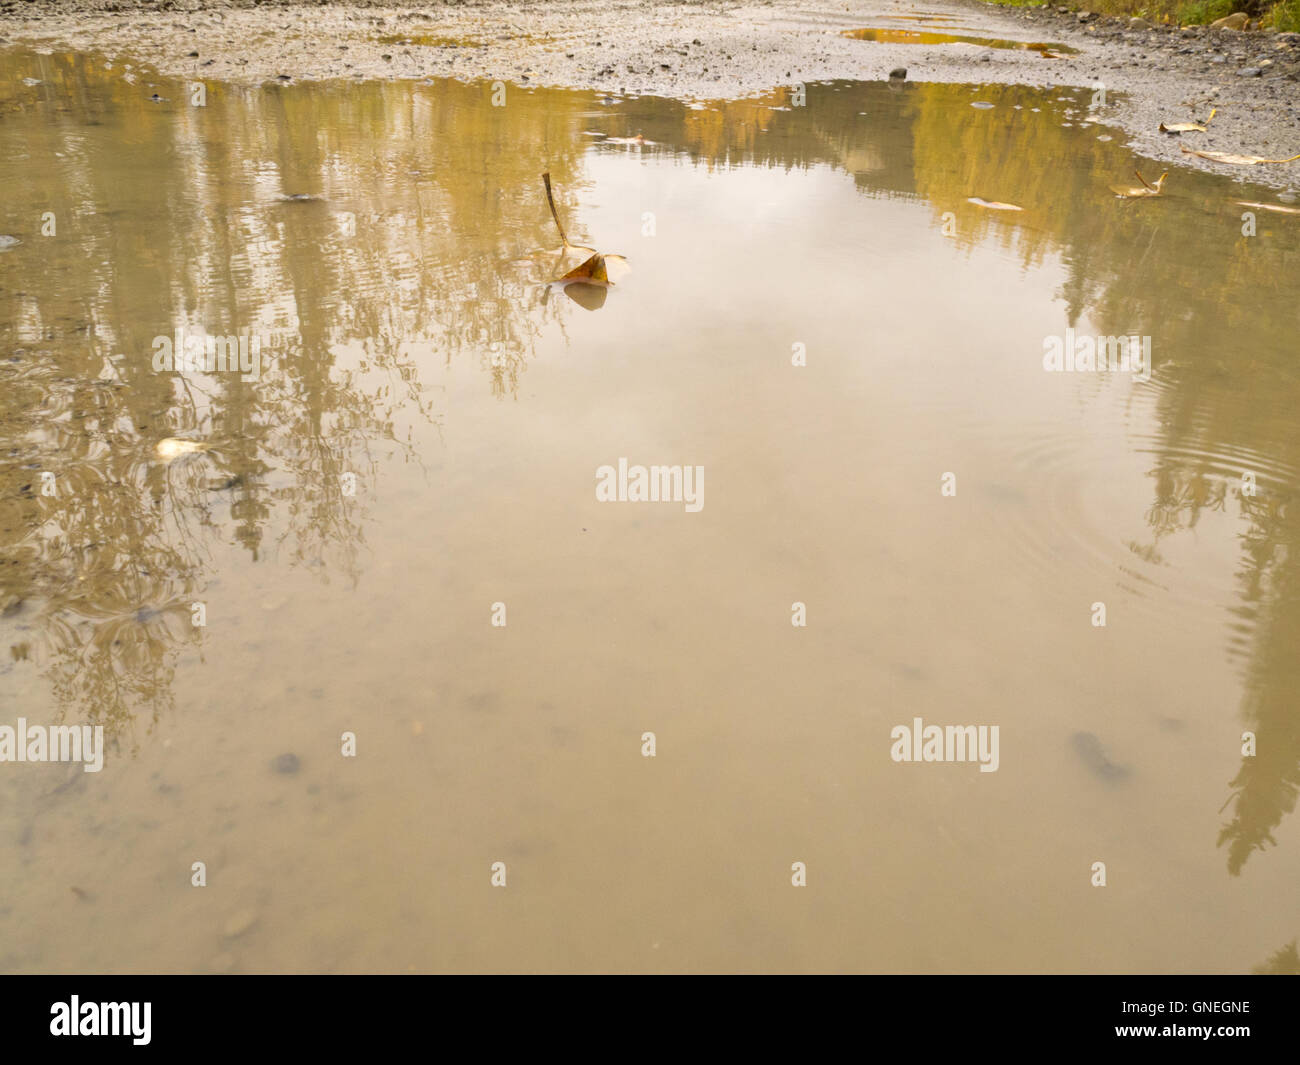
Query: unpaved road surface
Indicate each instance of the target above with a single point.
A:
(717, 50)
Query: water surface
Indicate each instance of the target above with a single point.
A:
(905, 36)
(391, 244)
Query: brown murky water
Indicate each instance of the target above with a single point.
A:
(906, 36)
(422, 442)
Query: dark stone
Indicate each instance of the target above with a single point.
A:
(1093, 755)
(286, 763)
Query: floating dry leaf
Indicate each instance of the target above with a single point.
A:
(172, 447)
(1235, 160)
(593, 270)
(993, 205)
(600, 269)
(1279, 208)
(1133, 192)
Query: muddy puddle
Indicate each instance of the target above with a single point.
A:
(818, 316)
(430, 40)
(895, 35)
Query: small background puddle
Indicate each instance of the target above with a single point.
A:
(905, 36)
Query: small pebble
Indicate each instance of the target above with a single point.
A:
(238, 923)
(286, 763)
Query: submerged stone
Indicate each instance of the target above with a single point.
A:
(286, 763)
(239, 923)
(1093, 755)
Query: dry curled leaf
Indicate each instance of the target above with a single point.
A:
(592, 270)
(1187, 127)
(1235, 160)
(992, 205)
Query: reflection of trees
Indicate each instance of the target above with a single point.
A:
(416, 240)
(1223, 326)
(1267, 784)
(443, 264)
(1282, 962)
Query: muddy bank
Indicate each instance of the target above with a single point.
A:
(713, 50)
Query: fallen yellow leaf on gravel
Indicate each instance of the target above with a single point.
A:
(1235, 160)
(1187, 127)
(1268, 207)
